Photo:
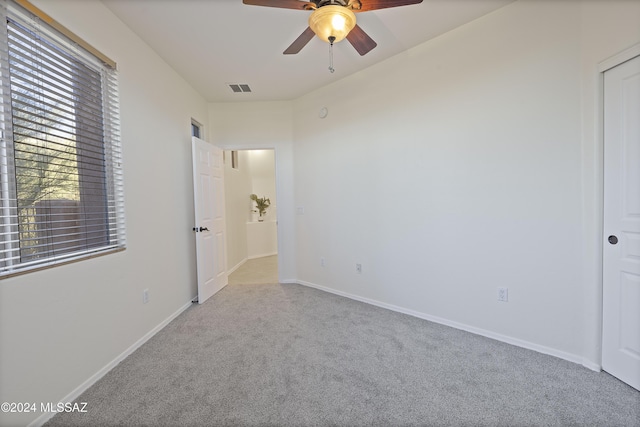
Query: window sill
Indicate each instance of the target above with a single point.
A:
(79, 258)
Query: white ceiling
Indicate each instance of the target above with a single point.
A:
(212, 43)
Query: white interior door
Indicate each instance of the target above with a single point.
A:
(621, 252)
(208, 185)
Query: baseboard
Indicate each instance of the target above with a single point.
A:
(237, 266)
(591, 365)
(109, 366)
(478, 331)
(263, 255)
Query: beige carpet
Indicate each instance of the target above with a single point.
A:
(284, 355)
(256, 271)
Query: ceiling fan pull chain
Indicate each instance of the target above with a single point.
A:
(331, 39)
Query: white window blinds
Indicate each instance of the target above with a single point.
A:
(60, 161)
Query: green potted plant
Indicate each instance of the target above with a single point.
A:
(262, 203)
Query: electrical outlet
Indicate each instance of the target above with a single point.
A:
(300, 210)
(322, 262)
(359, 268)
(145, 296)
(503, 294)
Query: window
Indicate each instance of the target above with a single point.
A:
(61, 195)
(195, 128)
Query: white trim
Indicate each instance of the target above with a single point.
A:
(237, 266)
(263, 255)
(591, 365)
(619, 58)
(478, 331)
(109, 366)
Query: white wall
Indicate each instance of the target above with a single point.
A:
(271, 128)
(469, 163)
(61, 326)
(237, 188)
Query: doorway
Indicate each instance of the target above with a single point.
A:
(256, 271)
(252, 246)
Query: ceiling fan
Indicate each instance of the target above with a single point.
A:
(333, 20)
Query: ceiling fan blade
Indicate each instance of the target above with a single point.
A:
(361, 40)
(284, 4)
(366, 5)
(300, 42)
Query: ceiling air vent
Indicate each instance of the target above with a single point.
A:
(240, 88)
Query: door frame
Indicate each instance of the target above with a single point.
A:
(607, 64)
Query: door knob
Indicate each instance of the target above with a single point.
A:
(204, 229)
(613, 239)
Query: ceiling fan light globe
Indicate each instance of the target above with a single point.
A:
(332, 21)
